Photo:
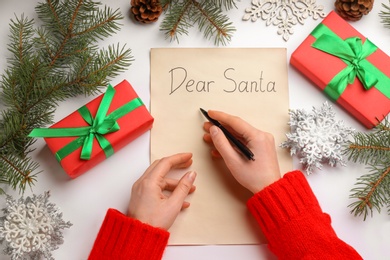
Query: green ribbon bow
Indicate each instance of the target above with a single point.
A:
(354, 53)
(99, 126)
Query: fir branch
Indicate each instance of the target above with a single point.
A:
(208, 15)
(372, 192)
(213, 22)
(175, 22)
(385, 15)
(222, 4)
(17, 172)
(373, 189)
(50, 64)
(226, 4)
(369, 148)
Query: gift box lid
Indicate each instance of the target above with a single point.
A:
(369, 106)
(131, 125)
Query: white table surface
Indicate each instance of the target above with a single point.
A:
(84, 201)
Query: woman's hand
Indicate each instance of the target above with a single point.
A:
(148, 202)
(253, 175)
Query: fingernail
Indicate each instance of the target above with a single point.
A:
(213, 130)
(192, 175)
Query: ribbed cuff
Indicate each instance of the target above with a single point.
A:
(294, 224)
(121, 237)
(287, 199)
(288, 214)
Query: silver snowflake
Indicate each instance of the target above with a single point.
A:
(316, 137)
(283, 13)
(31, 228)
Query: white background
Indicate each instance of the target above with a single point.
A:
(84, 201)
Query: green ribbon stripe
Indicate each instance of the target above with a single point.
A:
(354, 53)
(99, 126)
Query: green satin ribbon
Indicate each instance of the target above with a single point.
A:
(354, 53)
(99, 126)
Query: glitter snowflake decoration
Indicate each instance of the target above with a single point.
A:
(283, 13)
(31, 228)
(316, 137)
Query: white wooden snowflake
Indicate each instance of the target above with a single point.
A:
(31, 228)
(316, 137)
(283, 13)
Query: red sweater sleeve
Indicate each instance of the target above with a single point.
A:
(293, 223)
(121, 237)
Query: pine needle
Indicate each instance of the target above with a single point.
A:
(181, 15)
(385, 15)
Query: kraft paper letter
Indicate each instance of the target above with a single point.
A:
(249, 83)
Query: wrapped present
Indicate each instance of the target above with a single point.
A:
(349, 68)
(97, 130)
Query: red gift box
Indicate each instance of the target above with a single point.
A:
(134, 121)
(367, 102)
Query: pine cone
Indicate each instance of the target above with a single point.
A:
(353, 9)
(146, 11)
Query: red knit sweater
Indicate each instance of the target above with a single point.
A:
(287, 211)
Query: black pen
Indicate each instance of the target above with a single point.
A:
(243, 149)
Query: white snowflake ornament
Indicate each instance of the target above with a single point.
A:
(316, 137)
(31, 228)
(283, 13)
